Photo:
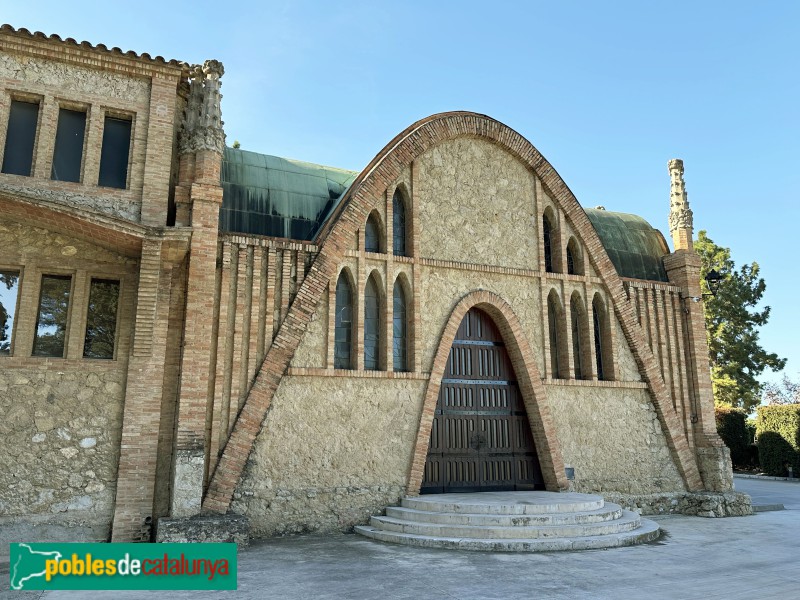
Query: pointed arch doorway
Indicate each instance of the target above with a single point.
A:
(480, 438)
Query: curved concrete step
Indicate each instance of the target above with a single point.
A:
(627, 522)
(505, 503)
(609, 512)
(647, 532)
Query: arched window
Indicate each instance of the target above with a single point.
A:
(574, 263)
(399, 224)
(578, 337)
(343, 335)
(399, 328)
(547, 233)
(372, 233)
(372, 328)
(557, 335)
(602, 350)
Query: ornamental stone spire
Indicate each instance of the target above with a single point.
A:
(681, 226)
(202, 123)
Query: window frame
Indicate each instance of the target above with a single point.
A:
(376, 344)
(18, 301)
(399, 199)
(344, 276)
(15, 96)
(120, 280)
(59, 274)
(110, 113)
(78, 108)
(400, 285)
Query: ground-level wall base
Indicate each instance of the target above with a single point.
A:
(701, 504)
(205, 528)
(72, 526)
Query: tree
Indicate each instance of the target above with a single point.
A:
(732, 323)
(785, 392)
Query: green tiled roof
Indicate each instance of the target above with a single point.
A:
(634, 246)
(279, 197)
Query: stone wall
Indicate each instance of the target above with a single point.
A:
(60, 444)
(333, 450)
(476, 205)
(62, 417)
(611, 436)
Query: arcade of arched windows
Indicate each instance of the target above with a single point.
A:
(578, 338)
(371, 302)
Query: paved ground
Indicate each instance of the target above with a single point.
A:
(736, 558)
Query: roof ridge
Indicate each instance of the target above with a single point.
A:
(144, 56)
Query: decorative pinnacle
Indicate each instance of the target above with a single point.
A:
(681, 224)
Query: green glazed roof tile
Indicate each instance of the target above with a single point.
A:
(279, 197)
(634, 246)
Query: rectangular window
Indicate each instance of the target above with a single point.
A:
(101, 319)
(9, 289)
(68, 151)
(51, 322)
(20, 138)
(114, 154)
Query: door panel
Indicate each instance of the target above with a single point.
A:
(480, 438)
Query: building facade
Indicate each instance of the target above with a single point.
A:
(194, 329)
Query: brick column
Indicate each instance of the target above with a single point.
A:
(713, 457)
(190, 445)
(158, 159)
(143, 395)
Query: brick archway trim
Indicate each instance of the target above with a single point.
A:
(528, 378)
(351, 213)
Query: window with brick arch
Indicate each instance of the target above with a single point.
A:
(547, 234)
(372, 328)
(343, 332)
(372, 234)
(577, 342)
(399, 328)
(574, 264)
(399, 224)
(602, 341)
(557, 337)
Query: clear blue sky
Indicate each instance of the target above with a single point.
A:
(607, 91)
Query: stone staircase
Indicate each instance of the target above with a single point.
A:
(510, 522)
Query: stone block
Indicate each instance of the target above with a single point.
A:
(204, 528)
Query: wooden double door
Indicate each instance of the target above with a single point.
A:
(481, 438)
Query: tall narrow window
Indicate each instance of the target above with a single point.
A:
(114, 154)
(372, 328)
(399, 224)
(343, 334)
(547, 234)
(599, 341)
(577, 357)
(9, 290)
(372, 234)
(68, 151)
(51, 322)
(399, 329)
(20, 137)
(555, 342)
(574, 264)
(101, 319)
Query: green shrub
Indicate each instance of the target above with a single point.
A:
(732, 429)
(778, 438)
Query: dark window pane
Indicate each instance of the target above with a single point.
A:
(554, 341)
(570, 261)
(371, 325)
(101, 319)
(343, 336)
(114, 154)
(598, 340)
(548, 248)
(20, 137)
(9, 288)
(68, 151)
(372, 241)
(399, 224)
(576, 341)
(399, 329)
(51, 324)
